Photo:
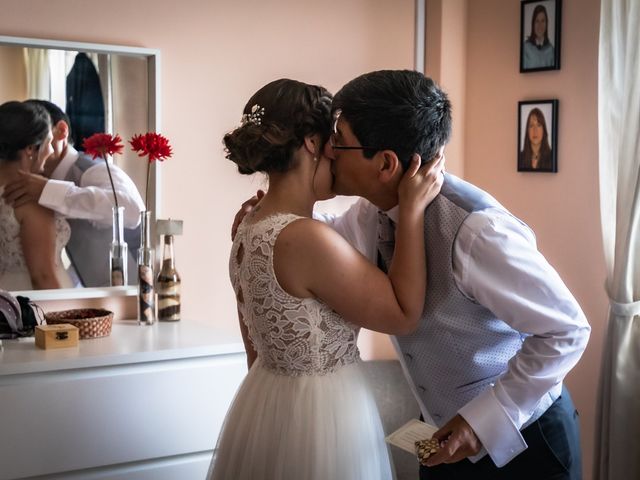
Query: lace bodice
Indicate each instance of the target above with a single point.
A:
(293, 336)
(11, 254)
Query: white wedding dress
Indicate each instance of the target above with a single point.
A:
(14, 274)
(304, 410)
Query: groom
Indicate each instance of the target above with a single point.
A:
(499, 330)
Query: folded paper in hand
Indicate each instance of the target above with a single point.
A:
(410, 433)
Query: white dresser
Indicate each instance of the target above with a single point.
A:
(144, 403)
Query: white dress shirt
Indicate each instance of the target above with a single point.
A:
(93, 199)
(496, 264)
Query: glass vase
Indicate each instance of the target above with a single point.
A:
(146, 291)
(119, 250)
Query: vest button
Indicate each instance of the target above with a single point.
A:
(437, 416)
(421, 388)
(408, 356)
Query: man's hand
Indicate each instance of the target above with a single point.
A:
(26, 188)
(244, 209)
(458, 441)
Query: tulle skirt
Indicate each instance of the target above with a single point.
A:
(310, 427)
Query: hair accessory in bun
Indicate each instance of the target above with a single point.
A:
(255, 117)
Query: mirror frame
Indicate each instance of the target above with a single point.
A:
(153, 65)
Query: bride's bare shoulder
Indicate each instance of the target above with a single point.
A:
(304, 249)
(32, 211)
(308, 232)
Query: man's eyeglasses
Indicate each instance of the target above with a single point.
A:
(333, 145)
(334, 133)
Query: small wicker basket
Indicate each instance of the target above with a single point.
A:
(91, 322)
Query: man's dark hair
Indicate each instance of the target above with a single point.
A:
(399, 110)
(55, 112)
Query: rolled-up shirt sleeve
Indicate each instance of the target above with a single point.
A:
(497, 264)
(93, 198)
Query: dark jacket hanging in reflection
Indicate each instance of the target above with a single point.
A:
(85, 105)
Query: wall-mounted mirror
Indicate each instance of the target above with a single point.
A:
(125, 88)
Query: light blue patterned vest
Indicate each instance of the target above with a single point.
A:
(460, 347)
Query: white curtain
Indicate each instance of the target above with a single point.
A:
(36, 62)
(618, 423)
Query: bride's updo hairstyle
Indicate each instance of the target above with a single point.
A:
(275, 122)
(21, 124)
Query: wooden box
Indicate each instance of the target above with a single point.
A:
(57, 336)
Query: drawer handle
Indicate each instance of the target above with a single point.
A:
(62, 335)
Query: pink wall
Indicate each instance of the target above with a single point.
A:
(562, 208)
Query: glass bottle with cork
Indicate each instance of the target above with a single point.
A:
(168, 281)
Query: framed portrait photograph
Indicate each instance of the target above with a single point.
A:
(540, 23)
(537, 136)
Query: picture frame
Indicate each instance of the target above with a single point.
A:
(540, 33)
(538, 136)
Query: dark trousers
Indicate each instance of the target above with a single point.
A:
(553, 452)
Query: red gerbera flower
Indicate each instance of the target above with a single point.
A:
(156, 147)
(102, 144)
(152, 144)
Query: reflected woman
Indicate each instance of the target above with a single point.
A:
(536, 153)
(538, 51)
(31, 237)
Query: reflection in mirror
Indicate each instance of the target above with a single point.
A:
(103, 88)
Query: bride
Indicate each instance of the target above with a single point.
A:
(304, 410)
(31, 236)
